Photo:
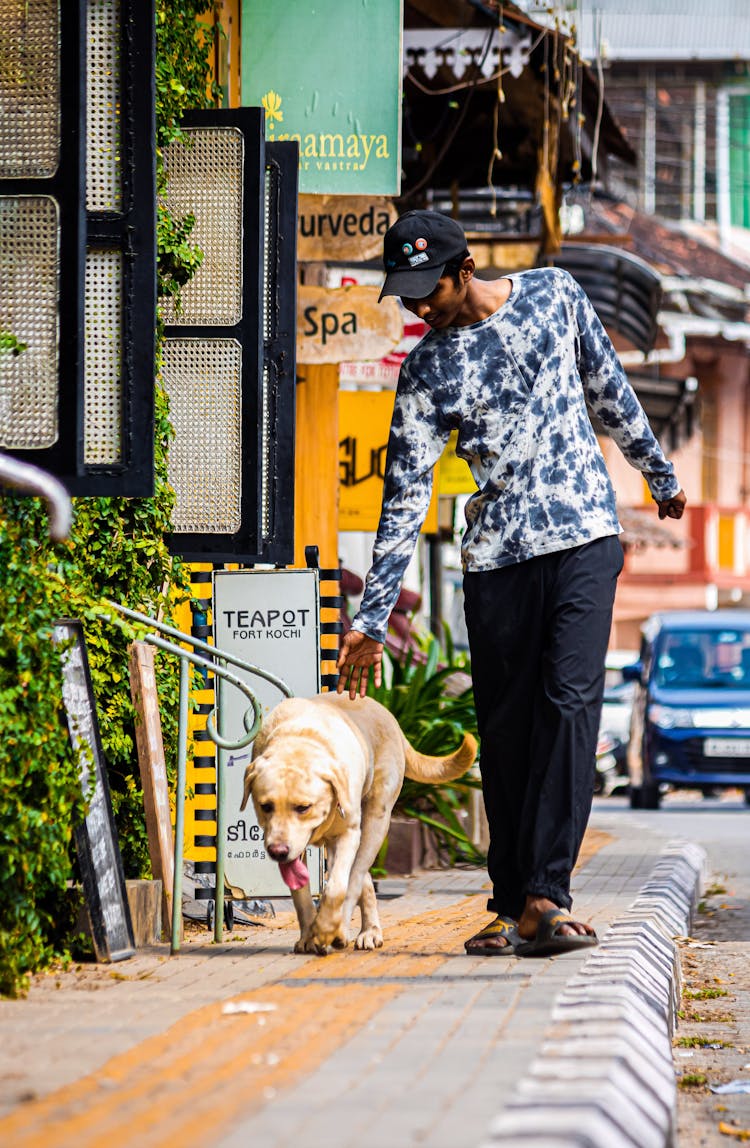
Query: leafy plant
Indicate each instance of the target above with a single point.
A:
(184, 45)
(434, 722)
(10, 342)
(40, 795)
(178, 260)
(117, 549)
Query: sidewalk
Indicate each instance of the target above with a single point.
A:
(415, 1044)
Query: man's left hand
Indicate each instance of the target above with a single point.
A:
(673, 507)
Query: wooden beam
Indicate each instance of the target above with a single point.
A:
(316, 478)
(153, 771)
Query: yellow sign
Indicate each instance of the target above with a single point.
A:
(340, 324)
(454, 476)
(364, 423)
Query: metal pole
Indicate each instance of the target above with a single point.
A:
(649, 146)
(179, 813)
(699, 153)
(723, 170)
(221, 815)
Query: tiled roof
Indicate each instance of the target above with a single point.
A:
(666, 247)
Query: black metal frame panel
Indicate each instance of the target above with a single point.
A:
(248, 332)
(280, 349)
(266, 533)
(132, 231)
(68, 188)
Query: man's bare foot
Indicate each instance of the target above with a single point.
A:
(533, 910)
(495, 939)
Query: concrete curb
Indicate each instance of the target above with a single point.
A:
(605, 1076)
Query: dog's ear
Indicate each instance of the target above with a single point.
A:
(338, 779)
(250, 772)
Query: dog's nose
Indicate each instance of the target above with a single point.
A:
(278, 852)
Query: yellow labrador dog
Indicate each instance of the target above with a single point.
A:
(327, 771)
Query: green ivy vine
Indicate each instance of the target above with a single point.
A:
(116, 550)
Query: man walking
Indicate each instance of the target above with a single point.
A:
(512, 364)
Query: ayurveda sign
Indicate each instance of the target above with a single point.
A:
(342, 228)
(329, 76)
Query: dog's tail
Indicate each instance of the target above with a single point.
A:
(435, 770)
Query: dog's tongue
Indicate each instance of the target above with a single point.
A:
(294, 873)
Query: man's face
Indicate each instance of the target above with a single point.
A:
(441, 308)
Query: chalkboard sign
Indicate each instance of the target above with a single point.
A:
(96, 840)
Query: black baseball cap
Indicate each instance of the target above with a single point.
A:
(415, 251)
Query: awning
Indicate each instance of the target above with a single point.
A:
(668, 404)
(624, 289)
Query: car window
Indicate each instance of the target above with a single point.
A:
(703, 659)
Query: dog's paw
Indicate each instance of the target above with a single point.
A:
(310, 945)
(371, 938)
(324, 935)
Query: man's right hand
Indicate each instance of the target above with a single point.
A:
(359, 652)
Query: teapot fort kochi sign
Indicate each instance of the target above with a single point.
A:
(269, 618)
(329, 76)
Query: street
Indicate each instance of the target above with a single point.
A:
(415, 1043)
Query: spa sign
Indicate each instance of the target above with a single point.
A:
(338, 324)
(329, 76)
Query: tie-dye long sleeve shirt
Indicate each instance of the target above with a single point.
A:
(516, 387)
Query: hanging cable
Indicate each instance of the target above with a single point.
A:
(600, 101)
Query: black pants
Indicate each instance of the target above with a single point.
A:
(538, 634)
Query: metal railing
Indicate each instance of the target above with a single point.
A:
(31, 479)
(215, 663)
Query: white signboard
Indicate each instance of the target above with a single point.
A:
(270, 618)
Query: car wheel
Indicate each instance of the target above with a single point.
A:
(650, 796)
(645, 796)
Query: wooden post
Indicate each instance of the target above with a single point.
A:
(316, 478)
(316, 485)
(153, 771)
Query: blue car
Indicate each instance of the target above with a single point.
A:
(690, 725)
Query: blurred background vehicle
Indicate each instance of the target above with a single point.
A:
(608, 777)
(614, 726)
(690, 724)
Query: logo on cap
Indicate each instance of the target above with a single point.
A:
(407, 249)
(420, 244)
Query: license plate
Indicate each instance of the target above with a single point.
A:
(726, 747)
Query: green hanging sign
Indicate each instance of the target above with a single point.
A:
(329, 76)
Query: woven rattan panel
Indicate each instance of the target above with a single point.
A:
(205, 178)
(102, 438)
(29, 88)
(202, 378)
(103, 159)
(29, 256)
